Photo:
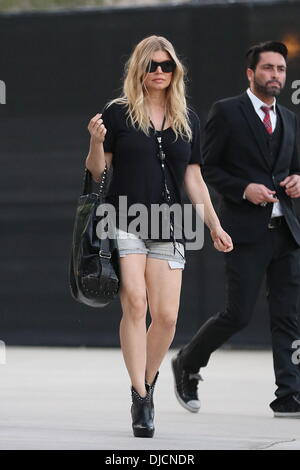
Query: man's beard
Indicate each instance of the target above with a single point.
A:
(267, 90)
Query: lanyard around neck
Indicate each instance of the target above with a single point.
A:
(162, 126)
(162, 157)
(158, 135)
(166, 192)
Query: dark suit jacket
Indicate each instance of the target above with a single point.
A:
(236, 154)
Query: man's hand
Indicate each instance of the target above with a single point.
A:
(221, 239)
(291, 185)
(259, 193)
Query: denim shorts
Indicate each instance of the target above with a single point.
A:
(129, 243)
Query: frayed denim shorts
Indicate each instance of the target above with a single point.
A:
(129, 243)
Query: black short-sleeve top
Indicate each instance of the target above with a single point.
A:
(137, 171)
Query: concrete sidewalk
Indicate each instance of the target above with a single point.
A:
(78, 398)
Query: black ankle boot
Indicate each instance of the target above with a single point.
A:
(150, 388)
(141, 412)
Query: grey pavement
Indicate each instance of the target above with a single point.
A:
(79, 398)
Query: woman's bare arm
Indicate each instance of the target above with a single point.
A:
(97, 158)
(198, 194)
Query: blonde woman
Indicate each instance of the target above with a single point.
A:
(152, 141)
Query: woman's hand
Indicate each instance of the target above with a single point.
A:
(221, 239)
(97, 129)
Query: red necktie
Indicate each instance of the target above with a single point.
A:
(267, 119)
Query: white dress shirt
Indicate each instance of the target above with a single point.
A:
(257, 104)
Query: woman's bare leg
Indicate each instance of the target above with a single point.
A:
(163, 289)
(133, 298)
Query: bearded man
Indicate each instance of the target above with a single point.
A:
(251, 159)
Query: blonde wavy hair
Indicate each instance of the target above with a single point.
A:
(135, 92)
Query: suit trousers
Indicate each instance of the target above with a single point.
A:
(277, 256)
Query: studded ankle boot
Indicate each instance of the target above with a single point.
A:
(141, 412)
(150, 388)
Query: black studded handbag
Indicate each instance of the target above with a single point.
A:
(94, 274)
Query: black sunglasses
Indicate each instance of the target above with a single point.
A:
(167, 66)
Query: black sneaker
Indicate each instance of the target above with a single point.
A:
(287, 408)
(186, 384)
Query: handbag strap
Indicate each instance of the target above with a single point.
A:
(88, 181)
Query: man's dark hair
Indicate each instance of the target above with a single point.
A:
(253, 54)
